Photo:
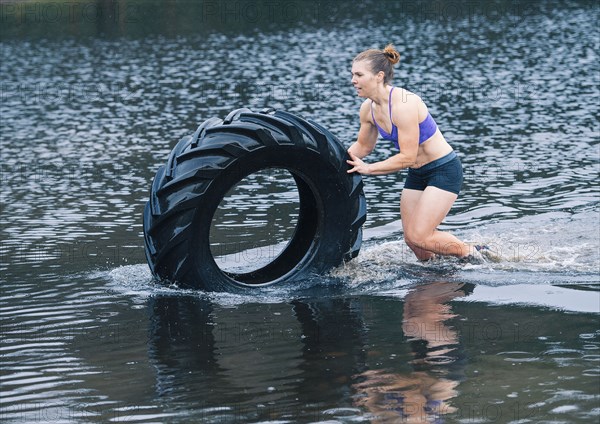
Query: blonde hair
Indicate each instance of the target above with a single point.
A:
(381, 60)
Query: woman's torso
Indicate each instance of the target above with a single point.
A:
(430, 149)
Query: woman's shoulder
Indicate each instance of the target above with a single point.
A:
(406, 103)
(365, 109)
(403, 98)
(365, 105)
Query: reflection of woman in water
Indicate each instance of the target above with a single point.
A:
(424, 394)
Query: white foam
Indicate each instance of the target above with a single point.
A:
(528, 253)
(548, 242)
(376, 263)
(137, 282)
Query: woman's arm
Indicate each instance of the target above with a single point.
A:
(367, 135)
(406, 118)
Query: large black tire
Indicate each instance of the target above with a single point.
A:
(203, 167)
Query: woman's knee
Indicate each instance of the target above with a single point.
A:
(417, 237)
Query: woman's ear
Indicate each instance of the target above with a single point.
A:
(380, 76)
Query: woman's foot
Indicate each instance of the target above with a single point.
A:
(475, 258)
(479, 253)
(429, 260)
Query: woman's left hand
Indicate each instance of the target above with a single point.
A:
(358, 165)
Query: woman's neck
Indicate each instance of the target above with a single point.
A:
(382, 95)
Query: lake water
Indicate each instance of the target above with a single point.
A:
(95, 95)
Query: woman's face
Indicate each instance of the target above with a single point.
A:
(363, 79)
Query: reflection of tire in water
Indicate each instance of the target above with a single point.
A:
(203, 167)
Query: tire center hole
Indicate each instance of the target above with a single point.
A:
(255, 221)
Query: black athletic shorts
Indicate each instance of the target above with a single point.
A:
(445, 173)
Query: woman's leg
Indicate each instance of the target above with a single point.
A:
(425, 212)
(408, 203)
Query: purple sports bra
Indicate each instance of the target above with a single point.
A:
(427, 127)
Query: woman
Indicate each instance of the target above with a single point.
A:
(434, 171)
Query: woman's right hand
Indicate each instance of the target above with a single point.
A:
(358, 165)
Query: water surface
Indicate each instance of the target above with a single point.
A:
(91, 109)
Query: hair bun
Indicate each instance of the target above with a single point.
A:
(392, 54)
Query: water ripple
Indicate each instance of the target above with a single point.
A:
(86, 121)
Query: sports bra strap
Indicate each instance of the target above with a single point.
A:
(390, 111)
(390, 105)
